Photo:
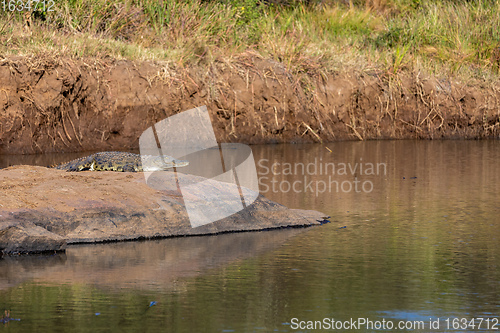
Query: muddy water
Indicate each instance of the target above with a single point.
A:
(414, 238)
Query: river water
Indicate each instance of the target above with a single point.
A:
(413, 241)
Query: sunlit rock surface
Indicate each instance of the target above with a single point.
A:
(44, 209)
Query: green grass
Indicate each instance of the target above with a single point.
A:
(442, 37)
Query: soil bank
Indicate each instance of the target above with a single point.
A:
(66, 105)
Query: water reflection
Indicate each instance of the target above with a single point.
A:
(423, 243)
(420, 175)
(144, 265)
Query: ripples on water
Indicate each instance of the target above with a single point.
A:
(423, 243)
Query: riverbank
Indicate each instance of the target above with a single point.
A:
(72, 105)
(267, 73)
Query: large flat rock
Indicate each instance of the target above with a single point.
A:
(44, 209)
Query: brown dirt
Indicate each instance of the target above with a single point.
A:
(64, 105)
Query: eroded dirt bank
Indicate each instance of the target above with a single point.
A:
(66, 105)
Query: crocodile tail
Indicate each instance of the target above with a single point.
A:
(79, 164)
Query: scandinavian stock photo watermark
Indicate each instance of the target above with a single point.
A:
(318, 176)
(221, 179)
(217, 179)
(430, 325)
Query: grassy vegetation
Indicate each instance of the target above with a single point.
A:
(442, 37)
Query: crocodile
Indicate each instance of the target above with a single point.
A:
(121, 161)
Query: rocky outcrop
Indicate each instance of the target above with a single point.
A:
(46, 209)
(27, 238)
